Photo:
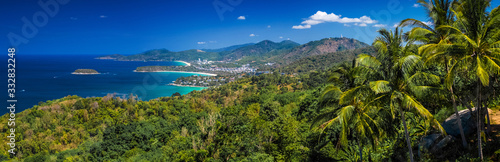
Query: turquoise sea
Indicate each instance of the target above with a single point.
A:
(48, 77)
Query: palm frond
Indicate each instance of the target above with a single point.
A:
(481, 73)
(330, 92)
(380, 86)
(410, 102)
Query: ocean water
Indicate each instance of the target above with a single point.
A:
(47, 77)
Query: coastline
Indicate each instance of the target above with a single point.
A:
(184, 62)
(178, 85)
(202, 73)
(114, 59)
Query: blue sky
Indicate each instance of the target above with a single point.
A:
(132, 26)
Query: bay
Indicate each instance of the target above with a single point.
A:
(46, 77)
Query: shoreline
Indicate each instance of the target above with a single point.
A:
(202, 73)
(184, 62)
(114, 59)
(179, 85)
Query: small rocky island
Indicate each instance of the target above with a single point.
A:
(85, 72)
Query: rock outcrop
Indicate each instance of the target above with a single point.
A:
(468, 123)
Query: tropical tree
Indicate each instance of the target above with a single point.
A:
(476, 46)
(356, 121)
(343, 78)
(344, 75)
(433, 37)
(394, 79)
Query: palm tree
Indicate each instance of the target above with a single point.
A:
(394, 78)
(344, 75)
(476, 45)
(355, 120)
(355, 116)
(342, 78)
(440, 12)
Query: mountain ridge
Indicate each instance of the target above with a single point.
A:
(319, 47)
(283, 53)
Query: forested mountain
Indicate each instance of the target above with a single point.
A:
(264, 48)
(229, 53)
(284, 52)
(320, 47)
(325, 61)
(230, 48)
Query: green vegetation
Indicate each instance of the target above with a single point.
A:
(376, 107)
(320, 47)
(206, 81)
(258, 54)
(252, 50)
(177, 68)
(230, 48)
(323, 62)
(85, 71)
(265, 48)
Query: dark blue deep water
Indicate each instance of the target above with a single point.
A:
(46, 77)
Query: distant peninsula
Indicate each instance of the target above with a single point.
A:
(85, 72)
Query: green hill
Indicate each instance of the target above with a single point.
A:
(325, 61)
(240, 51)
(230, 48)
(265, 48)
(283, 53)
(320, 47)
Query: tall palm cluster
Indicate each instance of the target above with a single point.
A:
(463, 41)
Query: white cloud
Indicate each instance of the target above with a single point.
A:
(103, 16)
(416, 5)
(301, 27)
(242, 18)
(281, 37)
(269, 26)
(395, 25)
(347, 25)
(323, 17)
(380, 25)
(252, 35)
(202, 42)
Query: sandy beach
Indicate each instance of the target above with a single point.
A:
(184, 62)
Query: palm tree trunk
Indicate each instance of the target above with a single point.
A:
(488, 119)
(408, 142)
(478, 110)
(459, 120)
